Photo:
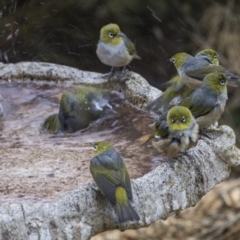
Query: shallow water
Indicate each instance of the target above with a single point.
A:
(37, 165)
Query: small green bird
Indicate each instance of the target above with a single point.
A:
(114, 48)
(177, 131)
(174, 94)
(207, 102)
(81, 106)
(111, 176)
(177, 90)
(192, 70)
(52, 123)
(209, 55)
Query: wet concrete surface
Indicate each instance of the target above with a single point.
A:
(36, 165)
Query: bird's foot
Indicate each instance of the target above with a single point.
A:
(185, 153)
(123, 74)
(114, 74)
(94, 187)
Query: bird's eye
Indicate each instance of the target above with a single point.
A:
(173, 60)
(111, 35)
(184, 119)
(216, 57)
(222, 82)
(173, 120)
(95, 147)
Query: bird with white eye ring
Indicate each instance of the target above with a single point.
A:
(176, 131)
(192, 70)
(114, 48)
(207, 102)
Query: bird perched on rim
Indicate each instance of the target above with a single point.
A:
(207, 102)
(177, 131)
(192, 70)
(81, 106)
(177, 90)
(114, 48)
(111, 176)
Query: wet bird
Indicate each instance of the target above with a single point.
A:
(81, 106)
(176, 130)
(114, 48)
(111, 176)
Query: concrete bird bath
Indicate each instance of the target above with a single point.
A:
(46, 190)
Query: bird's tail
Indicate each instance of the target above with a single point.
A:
(234, 81)
(124, 209)
(135, 56)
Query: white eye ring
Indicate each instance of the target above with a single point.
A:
(95, 147)
(216, 57)
(184, 119)
(173, 120)
(173, 60)
(222, 82)
(110, 35)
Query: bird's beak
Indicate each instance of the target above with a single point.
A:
(120, 34)
(177, 122)
(169, 60)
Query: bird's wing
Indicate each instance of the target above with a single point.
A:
(129, 44)
(106, 170)
(200, 102)
(205, 70)
(161, 126)
(231, 76)
(126, 181)
(124, 175)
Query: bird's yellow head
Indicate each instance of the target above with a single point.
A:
(52, 124)
(178, 59)
(211, 54)
(216, 81)
(111, 34)
(100, 147)
(179, 118)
